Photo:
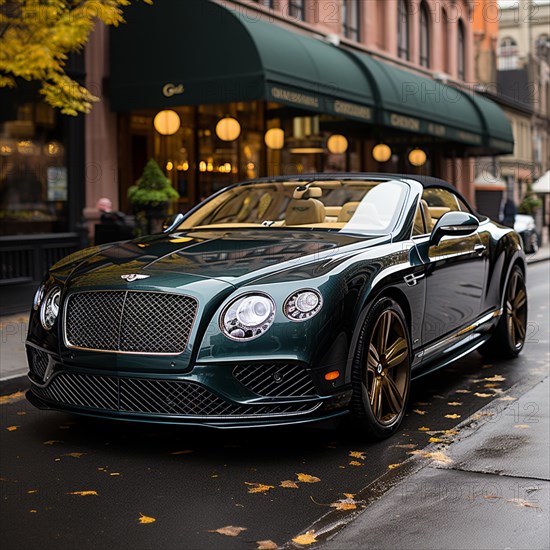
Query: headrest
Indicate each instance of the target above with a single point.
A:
(347, 211)
(307, 192)
(304, 212)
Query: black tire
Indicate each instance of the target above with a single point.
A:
(381, 381)
(508, 337)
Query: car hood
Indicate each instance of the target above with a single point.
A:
(235, 257)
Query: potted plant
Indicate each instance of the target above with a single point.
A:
(530, 203)
(151, 196)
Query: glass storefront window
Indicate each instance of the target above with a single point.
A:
(33, 172)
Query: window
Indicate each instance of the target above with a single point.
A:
(402, 30)
(296, 9)
(424, 36)
(461, 57)
(507, 54)
(351, 19)
(445, 45)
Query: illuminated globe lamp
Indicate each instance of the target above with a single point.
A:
(167, 122)
(275, 138)
(381, 152)
(337, 144)
(417, 157)
(228, 129)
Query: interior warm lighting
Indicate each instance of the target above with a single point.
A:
(209, 166)
(381, 152)
(169, 166)
(228, 129)
(202, 166)
(332, 375)
(337, 144)
(306, 150)
(167, 122)
(417, 157)
(275, 138)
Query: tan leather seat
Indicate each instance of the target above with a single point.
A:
(347, 212)
(423, 210)
(438, 211)
(304, 212)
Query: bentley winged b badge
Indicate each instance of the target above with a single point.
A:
(131, 277)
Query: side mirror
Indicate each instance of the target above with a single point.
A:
(171, 222)
(454, 224)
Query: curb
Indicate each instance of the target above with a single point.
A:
(16, 383)
(537, 260)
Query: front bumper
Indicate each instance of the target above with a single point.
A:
(211, 395)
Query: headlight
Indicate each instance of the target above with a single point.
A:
(248, 317)
(303, 305)
(50, 308)
(38, 297)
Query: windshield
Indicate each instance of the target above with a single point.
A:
(348, 206)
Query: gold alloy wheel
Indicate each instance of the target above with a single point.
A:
(516, 309)
(385, 378)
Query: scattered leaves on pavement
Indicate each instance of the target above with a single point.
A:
(495, 378)
(289, 484)
(258, 487)
(453, 416)
(266, 545)
(423, 429)
(418, 411)
(12, 428)
(435, 440)
(393, 466)
(145, 519)
(306, 478)
(455, 404)
(84, 493)
(74, 455)
(463, 391)
(12, 398)
(357, 454)
(437, 456)
(347, 503)
(479, 394)
(405, 446)
(305, 539)
(229, 530)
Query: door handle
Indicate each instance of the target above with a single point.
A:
(479, 248)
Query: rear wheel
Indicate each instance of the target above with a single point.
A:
(381, 370)
(509, 336)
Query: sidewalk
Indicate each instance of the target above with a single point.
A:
(489, 489)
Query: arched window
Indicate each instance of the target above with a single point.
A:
(424, 35)
(402, 30)
(461, 54)
(508, 54)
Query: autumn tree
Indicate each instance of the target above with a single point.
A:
(36, 37)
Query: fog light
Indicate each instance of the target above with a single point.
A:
(332, 375)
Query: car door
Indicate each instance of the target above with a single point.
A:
(455, 271)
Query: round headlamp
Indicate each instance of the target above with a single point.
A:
(38, 297)
(248, 317)
(303, 305)
(50, 308)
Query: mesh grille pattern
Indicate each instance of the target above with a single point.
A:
(39, 362)
(166, 397)
(284, 380)
(130, 321)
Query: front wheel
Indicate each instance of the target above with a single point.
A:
(381, 370)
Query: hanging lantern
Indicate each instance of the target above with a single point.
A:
(381, 152)
(417, 157)
(337, 144)
(228, 129)
(275, 138)
(167, 122)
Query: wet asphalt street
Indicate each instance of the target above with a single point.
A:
(71, 482)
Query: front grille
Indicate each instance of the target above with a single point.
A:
(275, 380)
(163, 397)
(129, 321)
(38, 361)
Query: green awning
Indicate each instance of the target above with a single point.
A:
(198, 52)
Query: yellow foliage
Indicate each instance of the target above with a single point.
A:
(306, 478)
(145, 519)
(258, 487)
(289, 484)
(84, 493)
(229, 530)
(36, 37)
(266, 545)
(307, 538)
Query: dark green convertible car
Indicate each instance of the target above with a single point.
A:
(280, 301)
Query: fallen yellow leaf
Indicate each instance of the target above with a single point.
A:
(12, 428)
(435, 440)
(355, 463)
(357, 454)
(450, 432)
(393, 466)
(258, 487)
(423, 429)
(306, 478)
(344, 504)
(266, 545)
(74, 455)
(145, 519)
(437, 456)
(478, 394)
(229, 530)
(495, 378)
(454, 404)
(418, 411)
(490, 386)
(84, 493)
(453, 416)
(289, 484)
(52, 441)
(522, 426)
(507, 398)
(349, 495)
(33, 511)
(463, 391)
(12, 398)
(114, 474)
(307, 538)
